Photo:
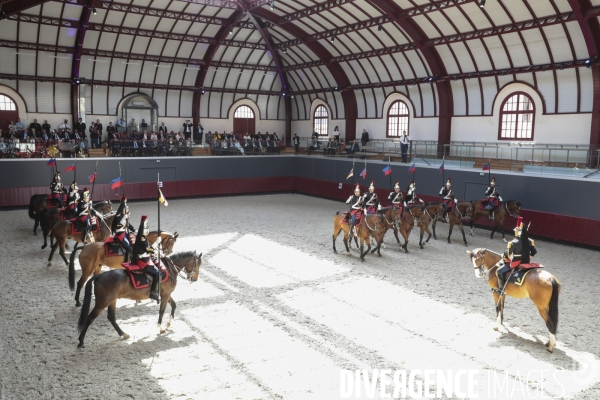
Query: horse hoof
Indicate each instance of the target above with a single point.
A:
(504, 240)
(49, 264)
(81, 346)
(43, 246)
(34, 233)
(125, 336)
(335, 251)
(78, 304)
(421, 247)
(496, 327)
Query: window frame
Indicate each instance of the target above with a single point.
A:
(242, 106)
(398, 116)
(11, 100)
(326, 118)
(518, 112)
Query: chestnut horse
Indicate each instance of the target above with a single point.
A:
(62, 232)
(431, 212)
(402, 221)
(51, 216)
(370, 225)
(115, 284)
(93, 257)
(510, 207)
(462, 210)
(539, 285)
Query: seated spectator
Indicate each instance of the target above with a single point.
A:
(46, 126)
(153, 136)
(143, 124)
(133, 124)
(35, 128)
(354, 148)
(314, 146)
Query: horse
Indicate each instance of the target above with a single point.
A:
(115, 284)
(93, 257)
(462, 210)
(50, 216)
(510, 207)
(370, 225)
(539, 285)
(402, 221)
(430, 212)
(37, 204)
(62, 232)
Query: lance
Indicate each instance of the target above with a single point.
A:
(94, 183)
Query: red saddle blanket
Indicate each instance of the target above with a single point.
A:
(64, 214)
(518, 277)
(141, 279)
(51, 202)
(347, 218)
(484, 203)
(113, 249)
(78, 228)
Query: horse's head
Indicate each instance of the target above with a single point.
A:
(104, 207)
(168, 240)
(476, 257)
(513, 207)
(191, 263)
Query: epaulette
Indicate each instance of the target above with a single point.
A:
(532, 242)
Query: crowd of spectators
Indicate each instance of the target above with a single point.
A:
(244, 144)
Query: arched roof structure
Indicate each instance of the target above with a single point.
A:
(450, 57)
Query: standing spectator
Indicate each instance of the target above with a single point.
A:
(296, 144)
(163, 129)
(133, 124)
(121, 125)
(201, 134)
(143, 124)
(187, 129)
(404, 146)
(80, 126)
(65, 128)
(46, 126)
(98, 128)
(336, 134)
(36, 127)
(364, 138)
(20, 127)
(110, 130)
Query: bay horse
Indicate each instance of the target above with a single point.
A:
(462, 210)
(50, 216)
(93, 257)
(430, 212)
(37, 204)
(116, 284)
(62, 232)
(539, 285)
(400, 221)
(370, 225)
(510, 207)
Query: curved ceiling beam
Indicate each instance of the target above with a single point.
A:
(13, 7)
(83, 24)
(433, 59)
(338, 73)
(590, 27)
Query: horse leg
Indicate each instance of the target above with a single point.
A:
(547, 305)
(450, 231)
(405, 245)
(91, 317)
(112, 317)
(161, 312)
(85, 274)
(346, 242)
(499, 310)
(54, 246)
(396, 235)
(62, 252)
(460, 226)
(335, 235)
(434, 224)
(172, 316)
(35, 225)
(45, 234)
(503, 231)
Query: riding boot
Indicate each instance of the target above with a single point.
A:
(491, 215)
(501, 283)
(154, 295)
(351, 232)
(127, 256)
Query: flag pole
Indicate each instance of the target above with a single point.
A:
(121, 179)
(353, 161)
(390, 167)
(75, 172)
(365, 177)
(443, 170)
(158, 204)
(94, 183)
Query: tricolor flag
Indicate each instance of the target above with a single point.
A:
(92, 177)
(441, 168)
(51, 162)
(364, 173)
(486, 167)
(412, 168)
(115, 183)
(161, 198)
(387, 170)
(70, 167)
(351, 174)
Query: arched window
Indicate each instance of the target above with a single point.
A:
(243, 120)
(517, 114)
(321, 120)
(8, 111)
(6, 104)
(397, 121)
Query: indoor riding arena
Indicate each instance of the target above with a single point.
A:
(286, 199)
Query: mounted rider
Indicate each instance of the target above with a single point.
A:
(121, 228)
(396, 196)
(57, 189)
(356, 207)
(448, 199)
(519, 251)
(85, 209)
(142, 253)
(371, 201)
(411, 194)
(73, 198)
(493, 198)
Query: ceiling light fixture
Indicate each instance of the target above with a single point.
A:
(380, 27)
(230, 30)
(94, 11)
(272, 4)
(332, 38)
(202, 91)
(284, 50)
(482, 3)
(129, 63)
(588, 63)
(162, 66)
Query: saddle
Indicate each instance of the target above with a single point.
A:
(483, 204)
(518, 277)
(348, 216)
(77, 228)
(52, 202)
(64, 214)
(139, 278)
(112, 248)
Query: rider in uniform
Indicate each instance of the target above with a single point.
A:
(57, 189)
(448, 197)
(85, 209)
(356, 206)
(519, 251)
(142, 252)
(396, 196)
(370, 200)
(121, 228)
(411, 194)
(73, 199)
(493, 198)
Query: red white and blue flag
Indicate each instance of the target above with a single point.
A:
(51, 162)
(364, 173)
(441, 168)
(115, 183)
(92, 177)
(412, 168)
(486, 167)
(387, 170)
(70, 167)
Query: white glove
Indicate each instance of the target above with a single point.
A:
(404, 204)
(455, 201)
(379, 207)
(499, 198)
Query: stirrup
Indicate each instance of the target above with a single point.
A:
(499, 291)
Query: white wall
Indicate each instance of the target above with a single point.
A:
(548, 128)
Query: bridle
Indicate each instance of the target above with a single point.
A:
(512, 214)
(417, 218)
(478, 255)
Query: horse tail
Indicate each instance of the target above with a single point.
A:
(31, 210)
(72, 268)
(553, 307)
(87, 301)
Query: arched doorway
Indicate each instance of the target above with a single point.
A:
(243, 120)
(8, 111)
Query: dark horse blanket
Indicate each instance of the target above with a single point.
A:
(140, 279)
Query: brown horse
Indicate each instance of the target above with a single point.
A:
(62, 232)
(510, 207)
(540, 286)
(93, 257)
(462, 210)
(37, 204)
(400, 221)
(115, 284)
(370, 225)
(51, 216)
(430, 212)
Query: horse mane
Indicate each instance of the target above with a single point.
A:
(183, 254)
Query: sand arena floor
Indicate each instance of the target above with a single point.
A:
(276, 314)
